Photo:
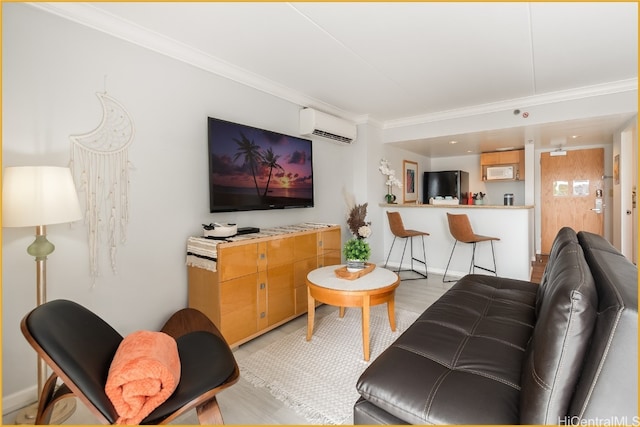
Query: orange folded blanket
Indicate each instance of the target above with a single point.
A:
(144, 372)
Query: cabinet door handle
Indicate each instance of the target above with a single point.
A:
(262, 286)
(263, 315)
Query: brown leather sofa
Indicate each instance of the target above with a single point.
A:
(494, 350)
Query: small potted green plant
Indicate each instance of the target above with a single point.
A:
(356, 252)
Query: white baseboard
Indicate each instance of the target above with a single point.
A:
(19, 400)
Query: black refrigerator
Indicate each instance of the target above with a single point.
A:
(445, 183)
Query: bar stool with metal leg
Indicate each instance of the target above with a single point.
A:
(461, 230)
(398, 230)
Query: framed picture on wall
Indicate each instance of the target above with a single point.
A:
(409, 181)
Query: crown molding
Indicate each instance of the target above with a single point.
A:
(519, 103)
(100, 20)
(88, 15)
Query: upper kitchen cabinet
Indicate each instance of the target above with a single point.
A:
(502, 165)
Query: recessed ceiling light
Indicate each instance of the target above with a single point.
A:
(453, 142)
(575, 136)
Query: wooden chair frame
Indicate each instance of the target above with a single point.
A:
(182, 322)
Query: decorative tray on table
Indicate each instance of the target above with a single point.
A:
(343, 273)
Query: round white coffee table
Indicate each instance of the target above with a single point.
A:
(377, 287)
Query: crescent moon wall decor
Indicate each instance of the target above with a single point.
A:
(100, 166)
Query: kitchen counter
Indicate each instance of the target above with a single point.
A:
(512, 224)
(420, 205)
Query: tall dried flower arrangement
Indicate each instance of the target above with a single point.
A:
(357, 223)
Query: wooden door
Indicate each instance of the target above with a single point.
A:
(237, 261)
(280, 294)
(571, 191)
(329, 248)
(239, 308)
(305, 246)
(300, 271)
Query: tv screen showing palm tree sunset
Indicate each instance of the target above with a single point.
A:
(251, 168)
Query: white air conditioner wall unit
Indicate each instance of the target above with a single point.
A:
(314, 122)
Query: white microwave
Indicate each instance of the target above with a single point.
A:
(499, 172)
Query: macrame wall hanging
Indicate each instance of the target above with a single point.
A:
(100, 166)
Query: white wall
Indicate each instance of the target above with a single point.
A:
(624, 227)
(52, 69)
(633, 128)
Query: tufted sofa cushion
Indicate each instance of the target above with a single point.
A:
(465, 351)
(609, 381)
(565, 236)
(554, 357)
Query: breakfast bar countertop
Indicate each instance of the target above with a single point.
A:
(513, 225)
(424, 205)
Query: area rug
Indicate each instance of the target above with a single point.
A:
(318, 378)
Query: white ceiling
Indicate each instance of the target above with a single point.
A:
(388, 62)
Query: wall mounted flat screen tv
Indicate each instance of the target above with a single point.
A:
(257, 169)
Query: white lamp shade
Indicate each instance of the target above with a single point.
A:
(38, 195)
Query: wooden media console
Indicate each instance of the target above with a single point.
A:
(257, 282)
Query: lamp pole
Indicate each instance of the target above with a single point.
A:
(40, 249)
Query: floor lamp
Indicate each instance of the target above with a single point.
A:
(37, 196)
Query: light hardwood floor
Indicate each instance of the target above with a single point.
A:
(245, 404)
